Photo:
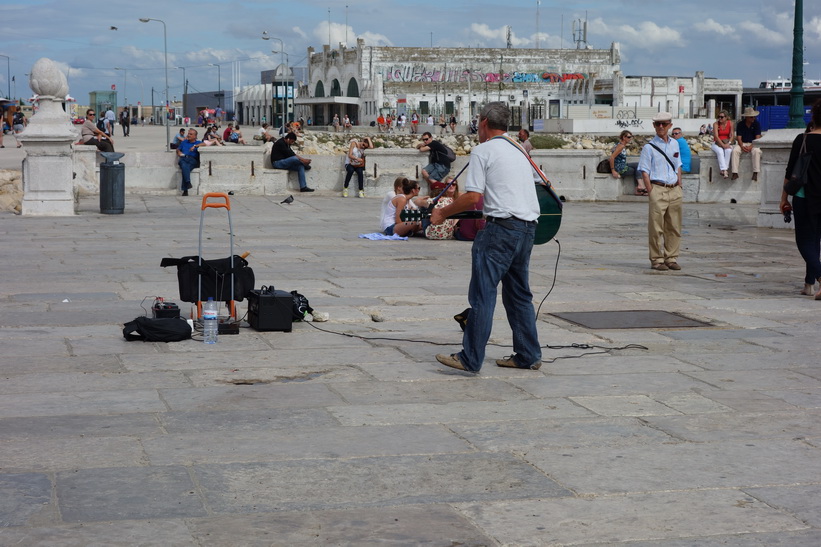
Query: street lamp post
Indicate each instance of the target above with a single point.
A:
(184, 90)
(287, 80)
(282, 62)
(142, 97)
(8, 73)
(165, 50)
(219, 81)
(797, 89)
(125, 85)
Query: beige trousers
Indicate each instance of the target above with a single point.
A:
(735, 159)
(664, 224)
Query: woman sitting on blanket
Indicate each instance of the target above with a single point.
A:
(410, 190)
(447, 228)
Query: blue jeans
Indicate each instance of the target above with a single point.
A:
(808, 238)
(437, 171)
(501, 252)
(360, 175)
(187, 164)
(293, 164)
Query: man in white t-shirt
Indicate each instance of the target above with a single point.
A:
(502, 173)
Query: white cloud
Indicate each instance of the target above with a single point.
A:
(714, 27)
(646, 34)
(764, 35)
(345, 34)
(499, 35)
(299, 32)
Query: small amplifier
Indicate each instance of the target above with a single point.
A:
(165, 309)
(270, 309)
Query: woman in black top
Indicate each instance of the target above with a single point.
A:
(806, 204)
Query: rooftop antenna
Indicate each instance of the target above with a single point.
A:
(538, 3)
(509, 31)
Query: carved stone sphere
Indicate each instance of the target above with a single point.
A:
(47, 79)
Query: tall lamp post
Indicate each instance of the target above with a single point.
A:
(125, 86)
(797, 90)
(142, 97)
(219, 81)
(282, 62)
(287, 108)
(184, 90)
(165, 50)
(8, 73)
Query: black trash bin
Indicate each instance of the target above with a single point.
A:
(112, 184)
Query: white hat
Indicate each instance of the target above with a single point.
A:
(663, 117)
(749, 112)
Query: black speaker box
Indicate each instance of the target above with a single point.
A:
(270, 310)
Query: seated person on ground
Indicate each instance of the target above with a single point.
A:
(410, 189)
(447, 228)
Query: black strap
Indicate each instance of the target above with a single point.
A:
(665, 156)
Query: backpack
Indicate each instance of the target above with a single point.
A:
(165, 329)
(101, 124)
(18, 118)
(449, 156)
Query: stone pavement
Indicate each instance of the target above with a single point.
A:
(710, 436)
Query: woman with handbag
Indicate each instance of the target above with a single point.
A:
(355, 163)
(618, 162)
(806, 203)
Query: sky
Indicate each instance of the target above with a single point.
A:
(101, 43)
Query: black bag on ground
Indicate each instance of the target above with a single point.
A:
(216, 278)
(603, 166)
(301, 306)
(164, 329)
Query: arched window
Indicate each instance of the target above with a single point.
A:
(353, 88)
(320, 89)
(336, 89)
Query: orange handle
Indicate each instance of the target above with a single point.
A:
(217, 195)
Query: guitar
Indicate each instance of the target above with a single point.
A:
(550, 216)
(415, 215)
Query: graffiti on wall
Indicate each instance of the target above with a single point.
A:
(417, 73)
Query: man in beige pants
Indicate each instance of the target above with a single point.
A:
(660, 167)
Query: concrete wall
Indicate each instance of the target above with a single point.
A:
(240, 169)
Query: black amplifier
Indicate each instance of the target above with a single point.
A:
(165, 309)
(270, 310)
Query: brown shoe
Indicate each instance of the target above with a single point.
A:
(673, 266)
(661, 267)
(755, 176)
(452, 361)
(509, 362)
(734, 177)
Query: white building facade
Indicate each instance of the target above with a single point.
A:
(538, 84)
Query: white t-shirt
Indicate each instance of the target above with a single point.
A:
(388, 211)
(500, 171)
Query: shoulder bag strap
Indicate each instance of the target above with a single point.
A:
(663, 154)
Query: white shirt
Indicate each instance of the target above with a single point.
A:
(500, 171)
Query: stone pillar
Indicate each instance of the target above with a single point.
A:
(775, 152)
(48, 188)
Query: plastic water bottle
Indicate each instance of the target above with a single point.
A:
(210, 321)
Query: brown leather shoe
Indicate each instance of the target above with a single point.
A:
(660, 267)
(509, 362)
(673, 266)
(452, 361)
(755, 176)
(734, 177)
